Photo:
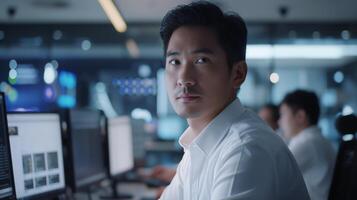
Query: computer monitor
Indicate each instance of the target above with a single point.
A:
(7, 187)
(120, 146)
(37, 154)
(85, 145)
(119, 153)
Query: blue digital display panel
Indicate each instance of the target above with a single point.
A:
(27, 91)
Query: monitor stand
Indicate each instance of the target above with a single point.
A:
(115, 193)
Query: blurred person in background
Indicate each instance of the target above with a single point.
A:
(299, 115)
(270, 114)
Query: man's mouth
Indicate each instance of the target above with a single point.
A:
(186, 98)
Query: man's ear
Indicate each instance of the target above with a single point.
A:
(239, 72)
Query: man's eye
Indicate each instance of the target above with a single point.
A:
(202, 60)
(174, 62)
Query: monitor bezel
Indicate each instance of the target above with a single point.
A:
(57, 192)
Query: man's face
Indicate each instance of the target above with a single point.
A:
(199, 82)
(288, 121)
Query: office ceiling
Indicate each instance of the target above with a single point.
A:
(147, 14)
(152, 11)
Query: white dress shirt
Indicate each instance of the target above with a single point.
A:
(316, 158)
(236, 156)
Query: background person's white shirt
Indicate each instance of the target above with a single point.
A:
(316, 159)
(236, 157)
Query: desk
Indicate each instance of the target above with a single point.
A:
(138, 190)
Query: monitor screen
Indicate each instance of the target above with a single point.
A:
(120, 143)
(36, 151)
(87, 147)
(7, 188)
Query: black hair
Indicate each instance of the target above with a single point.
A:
(306, 101)
(274, 111)
(230, 29)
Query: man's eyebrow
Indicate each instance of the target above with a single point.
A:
(197, 51)
(203, 50)
(172, 53)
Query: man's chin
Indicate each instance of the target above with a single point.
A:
(187, 113)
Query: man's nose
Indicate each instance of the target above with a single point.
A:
(186, 76)
(187, 83)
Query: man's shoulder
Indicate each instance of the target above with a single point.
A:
(250, 131)
(250, 127)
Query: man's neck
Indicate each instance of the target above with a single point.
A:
(198, 124)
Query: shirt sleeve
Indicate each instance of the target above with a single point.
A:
(247, 172)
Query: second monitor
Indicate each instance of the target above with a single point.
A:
(84, 141)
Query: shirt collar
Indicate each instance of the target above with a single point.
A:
(315, 130)
(211, 135)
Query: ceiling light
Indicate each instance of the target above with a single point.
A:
(114, 15)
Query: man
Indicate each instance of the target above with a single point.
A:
(229, 152)
(299, 114)
(270, 114)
